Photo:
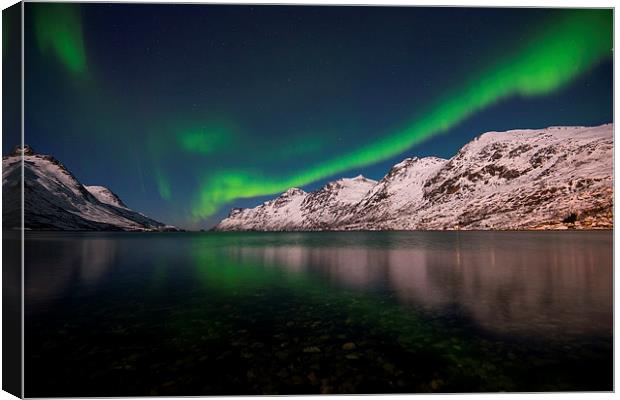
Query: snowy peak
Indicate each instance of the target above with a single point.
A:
(402, 186)
(414, 166)
(296, 209)
(22, 151)
(359, 178)
(334, 201)
(552, 178)
(350, 189)
(345, 191)
(292, 192)
(51, 173)
(55, 200)
(519, 157)
(106, 196)
(523, 178)
(281, 213)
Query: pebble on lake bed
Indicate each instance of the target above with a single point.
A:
(311, 349)
(348, 346)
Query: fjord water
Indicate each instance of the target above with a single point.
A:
(348, 312)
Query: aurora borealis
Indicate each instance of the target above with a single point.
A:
(58, 29)
(184, 120)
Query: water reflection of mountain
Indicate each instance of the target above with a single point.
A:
(506, 283)
(513, 283)
(65, 263)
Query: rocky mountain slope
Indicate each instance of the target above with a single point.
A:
(553, 178)
(55, 200)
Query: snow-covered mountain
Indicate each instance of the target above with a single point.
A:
(553, 178)
(298, 210)
(105, 195)
(55, 200)
(401, 187)
(327, 206)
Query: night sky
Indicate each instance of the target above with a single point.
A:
(185, 111)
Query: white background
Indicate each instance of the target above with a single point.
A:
(487, 3)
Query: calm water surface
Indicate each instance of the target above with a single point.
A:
(265, 313)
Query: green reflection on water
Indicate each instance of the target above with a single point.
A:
(224, 314)
(358, 334)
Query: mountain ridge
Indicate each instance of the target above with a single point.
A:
(559, 177)
(55, 200)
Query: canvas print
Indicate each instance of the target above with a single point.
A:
(251, 199)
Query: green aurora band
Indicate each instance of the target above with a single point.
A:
(58, 27)
(163, 185)
(205, 140)
(574, 43)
